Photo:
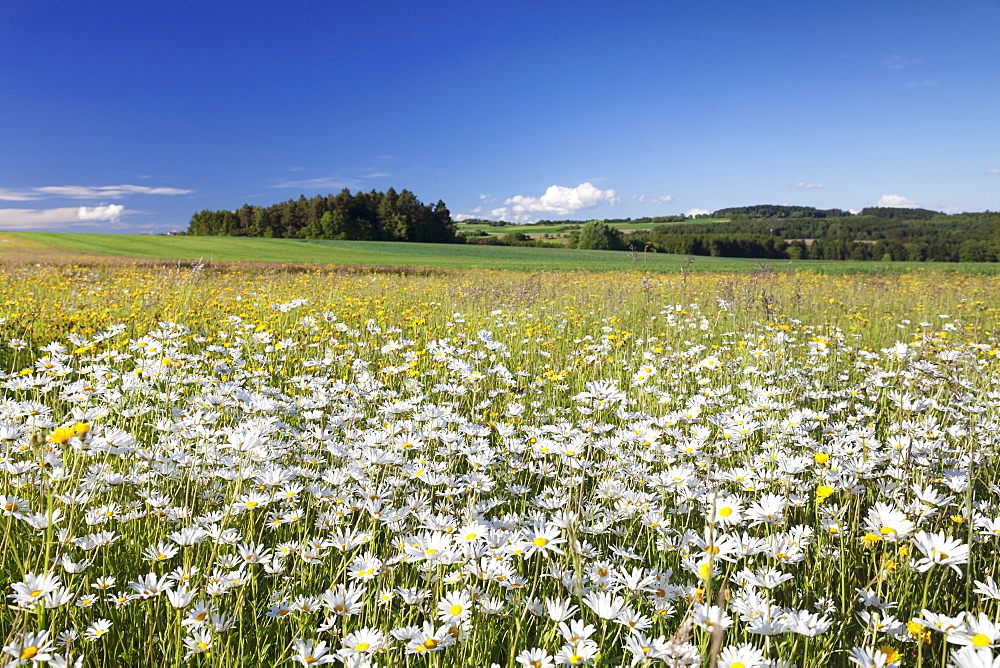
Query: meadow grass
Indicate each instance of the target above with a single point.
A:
(229, 466)
(385, 254)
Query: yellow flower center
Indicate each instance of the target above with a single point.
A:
(202, 645)
(737, 664)
(541, 542)
(981, 640)
(725, 512)
(430, 643)
(37, 592)
(28, 653)
(455, 610)
(251, 504)
(362, 646)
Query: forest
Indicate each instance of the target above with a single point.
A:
(885, 234)
(366, 216)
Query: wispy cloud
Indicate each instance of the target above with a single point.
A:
(31, 219)
(926, 83)
(85, 192)
(899, 62)
(643, 197)
(17, 195)
(806, 186)
(993, 171)
(558, 200)
(322, 183)
(691, 213)
(896, 201)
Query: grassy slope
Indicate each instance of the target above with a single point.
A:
(443, 256)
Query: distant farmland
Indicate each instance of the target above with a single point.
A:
(89, 248)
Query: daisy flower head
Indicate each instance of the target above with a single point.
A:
(32, 647)
(311, 655)
(743, 655)
(364, 641)
(887, 523)
(725, 511)
(535, 658)
(580, 654)
(938, 548)
(454, 607)
(198, 642)
(881, 657)
(976, 631)
(543, 539)
(974, 657)
(33, 588)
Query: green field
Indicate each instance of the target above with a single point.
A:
(561, 229)
(383, 254)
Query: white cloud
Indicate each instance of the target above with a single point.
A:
(806, 186)
(896, 201)
(86, 192)
(558, 200)
(487, 198)
(993, 171)
(691, 213)
(110, 212)
(503, 213)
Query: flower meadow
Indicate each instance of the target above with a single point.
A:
(247, 468)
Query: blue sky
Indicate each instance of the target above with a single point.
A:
(131, 116)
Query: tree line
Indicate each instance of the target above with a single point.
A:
(886, 234)
(373, 216)
(760, 231)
